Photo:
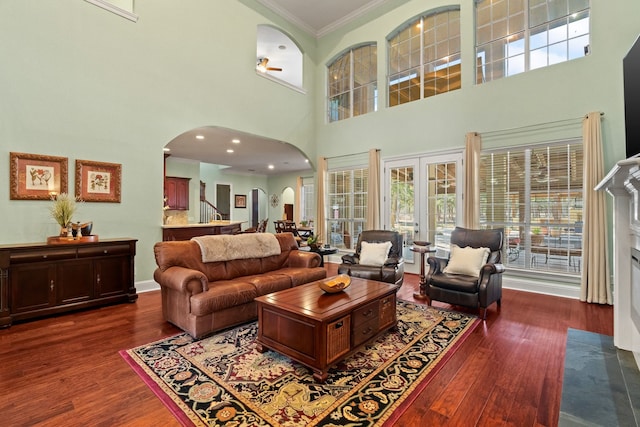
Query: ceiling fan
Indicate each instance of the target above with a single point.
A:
(262, 66)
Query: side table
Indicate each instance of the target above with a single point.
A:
(422, 248)
(322, 251)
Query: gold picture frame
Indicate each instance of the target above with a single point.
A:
(98, 181)
(36, 176)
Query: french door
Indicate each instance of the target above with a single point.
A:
(421, 200)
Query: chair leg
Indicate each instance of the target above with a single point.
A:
(483, 313)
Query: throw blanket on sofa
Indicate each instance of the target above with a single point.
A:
(225, 247)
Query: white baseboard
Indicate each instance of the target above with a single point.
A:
(541, 287)
(146, 286)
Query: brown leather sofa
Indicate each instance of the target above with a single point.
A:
(204, 297)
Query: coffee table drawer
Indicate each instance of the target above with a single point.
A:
(365, 331)
(338, 338)
(366, 313)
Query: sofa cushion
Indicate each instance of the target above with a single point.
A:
(301, 275)
(269, 282)
(222, 294)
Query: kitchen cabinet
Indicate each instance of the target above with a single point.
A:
(176, 190)
(37, 279)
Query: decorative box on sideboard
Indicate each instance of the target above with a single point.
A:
(38, 280)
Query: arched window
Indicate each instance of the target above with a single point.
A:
(353, 83)
(424, 57)
(513, 36)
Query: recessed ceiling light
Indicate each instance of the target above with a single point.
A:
(199, 136)
(271, 166)
(229, 150)
(235, 141)
(306, 160)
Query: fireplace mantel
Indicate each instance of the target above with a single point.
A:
(623, 183)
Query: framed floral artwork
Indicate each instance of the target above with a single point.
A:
(36, 177)
(98, 181)
(241, 201)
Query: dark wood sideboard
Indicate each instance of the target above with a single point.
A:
(38, 280)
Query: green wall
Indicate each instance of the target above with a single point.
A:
(80, 82)
(563, 91)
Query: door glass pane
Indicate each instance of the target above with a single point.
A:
(402, 206)
(441, 204)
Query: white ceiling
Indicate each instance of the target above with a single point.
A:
(251, 156)
(254, 153)
(319, 17)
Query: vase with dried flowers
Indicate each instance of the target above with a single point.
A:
(62, 210)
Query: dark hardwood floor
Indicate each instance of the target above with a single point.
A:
(67, 371)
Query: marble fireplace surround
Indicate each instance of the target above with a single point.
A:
(623, 183)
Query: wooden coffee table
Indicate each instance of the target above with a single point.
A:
(318, 329)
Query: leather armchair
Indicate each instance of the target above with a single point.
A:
(392, 271)
(469, 291)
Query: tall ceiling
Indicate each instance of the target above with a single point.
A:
(254, 153)
(321, 17)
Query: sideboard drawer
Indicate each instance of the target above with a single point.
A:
(104, 250)
(37, 255)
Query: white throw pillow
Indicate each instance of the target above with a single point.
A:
(467, 260)
(374, 253)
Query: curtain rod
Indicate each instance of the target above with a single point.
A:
(349, 155)
(515, 129)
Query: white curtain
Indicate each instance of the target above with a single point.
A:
(595, 286)
(373, 196)
(471, 202)
(320, 226)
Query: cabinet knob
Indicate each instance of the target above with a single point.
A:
(98, 279)
(105, 251)
(51, 285)
(44, 256)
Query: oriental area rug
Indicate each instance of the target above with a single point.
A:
(224, 380)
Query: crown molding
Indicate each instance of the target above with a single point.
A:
(285, 14)
(106, 5)
(348, 18)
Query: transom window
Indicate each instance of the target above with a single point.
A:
(513, 36)
(424, 57)
(353, 83)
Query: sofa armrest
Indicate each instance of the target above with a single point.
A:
(350, 259)
(493, 268)
(304, 259)
(393, 261)
(182, 279)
